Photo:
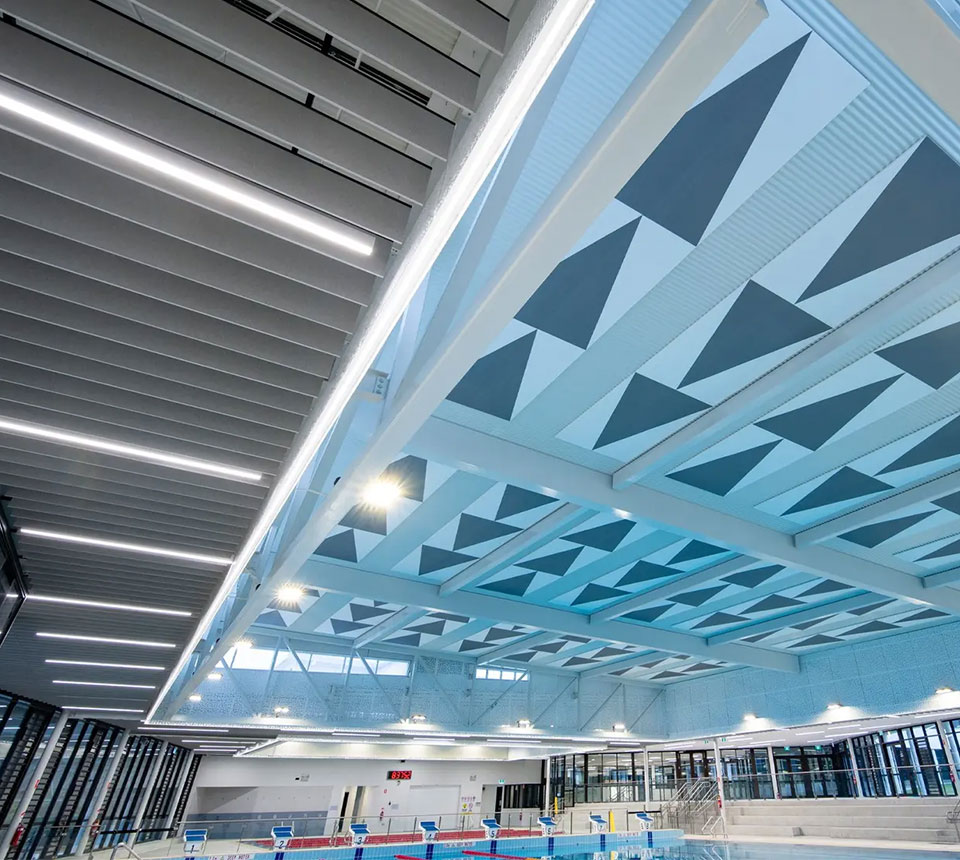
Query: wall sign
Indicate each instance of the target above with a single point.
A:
(399, 774)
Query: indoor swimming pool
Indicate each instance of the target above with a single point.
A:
(686, 850)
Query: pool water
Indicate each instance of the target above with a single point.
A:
(754, 851)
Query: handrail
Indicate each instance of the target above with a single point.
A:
(127, 848)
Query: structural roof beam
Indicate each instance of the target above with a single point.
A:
(516, 646)
(395, 589)
(812, 613)
(625, 663)
(456, 445)
(675, 586)
(299, 65)
(389, 625)
(690, 56)
(838, 347)
(71, 78)
(887, 506)
(553, 523)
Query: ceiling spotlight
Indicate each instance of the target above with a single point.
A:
(281, 709)
(242, 644)
(195, 697)
(524, 724)
(834, 706)
(289, 594)
(382, 494)
(941, 691)
(214, 676)
(418, 718)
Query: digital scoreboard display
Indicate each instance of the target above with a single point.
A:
(399, 774)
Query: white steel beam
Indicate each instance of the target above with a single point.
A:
(887, 506)
(690, 56)
(515, 646)
(625, 663)
(812, 613)
(466, 448)
(917, 39)
(835, 349)
(284, 58)
(394, 589)
(556, 522)
(944, 577)
(675, 586)
(389, 625)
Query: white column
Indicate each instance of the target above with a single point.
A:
(853, 767)
(718, 764)
(181, 782)
(647, 787)
(148, 784)
(547, 800)
(772, 764)
(45, 757)
(96, 807)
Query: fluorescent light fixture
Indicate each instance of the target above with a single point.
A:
(364, 735)
(524, 724)
(123, 546)
(281, 709)
(418, 718)
(100, 604)
(107, 684)
(289, 594)
(191, 730)
(134, 452)
(475, 156)
(214, 676)
(382, 494)
(834, 706)
(942, 691)
(196, 697)
(106, 665)
(748, 717)
(175, 167)
(108, 640)
(806, 734)
(111, 710)
(619, 727)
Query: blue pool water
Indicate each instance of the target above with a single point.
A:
(732, 851)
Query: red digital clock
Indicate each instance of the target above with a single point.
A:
(399, 774)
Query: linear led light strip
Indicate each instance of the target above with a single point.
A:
(106, 665)
(50, 115)
(484, 143)
(123, 546)
(136, 452)
(114, 710)
(100, 604)
(108, 684)
(108, 640)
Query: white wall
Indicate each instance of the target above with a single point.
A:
(241, 785)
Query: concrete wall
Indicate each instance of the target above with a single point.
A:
(892, 674)
(258, 785)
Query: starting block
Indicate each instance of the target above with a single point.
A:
(491, 827)
(598, 824)
(194, 841)
(429, 830)
(360, 832)
(548, 825)
(644, 821)
(282, 834)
